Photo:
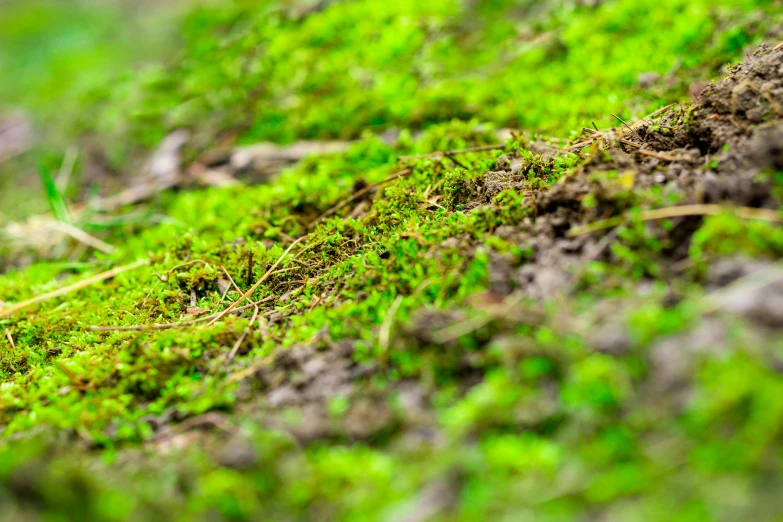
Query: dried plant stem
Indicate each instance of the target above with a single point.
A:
(357, 195)
(246, 331)
(10, 339)
(658, 155)
(384, 337)
(72, 288)
(179, 324)
(83, 237)
(258, 283)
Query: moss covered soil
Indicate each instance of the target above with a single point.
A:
(449, 321)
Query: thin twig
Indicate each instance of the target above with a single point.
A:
(284, 270)
(144, 303)
(454, 160)
(242, 337)
(72, 288)
(179, 324)
(162, 279)
(305, 249)
(630, 143)
(581, 144)
(358, 194)
(187, 263)
(257, 284)
(231, 280)
(652, 115)
(446, 153)
(628, 126)
(658, 155)
(316, 302)
(761, 214)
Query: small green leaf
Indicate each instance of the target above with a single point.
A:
(53, 195)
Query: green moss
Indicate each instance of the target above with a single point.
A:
(527, 415)
(727, 235)
(260, 69)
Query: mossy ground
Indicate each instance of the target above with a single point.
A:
(443, 348)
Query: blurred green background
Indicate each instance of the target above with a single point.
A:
(111, 79)
(49, 47)
(50, 51)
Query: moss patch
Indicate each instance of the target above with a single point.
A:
(456, 341)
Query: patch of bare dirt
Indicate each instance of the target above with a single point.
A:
(713, 152)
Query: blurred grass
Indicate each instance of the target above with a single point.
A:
(49, 47)
(118, 76)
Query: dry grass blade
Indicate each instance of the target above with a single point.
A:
(258, 283)
(384, 336)
(455, 161)
(658, 155)
(652, 115)
(761, 214)
(357, 195)
(645, 120)
(97, 278)
(83, 237)
(10, 339)
(242, 337)
(66, 168)
(627, 126)
(180, 324)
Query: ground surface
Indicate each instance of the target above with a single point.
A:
(525, 328)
